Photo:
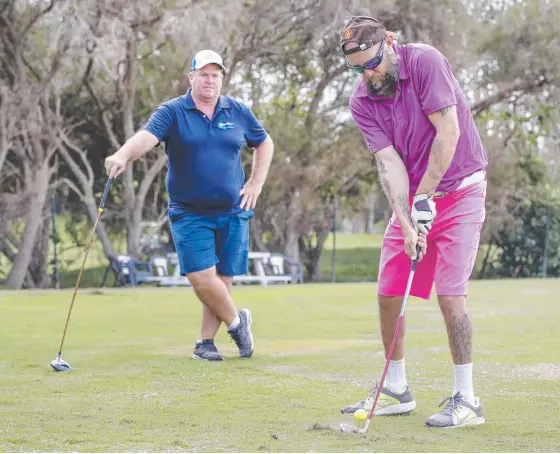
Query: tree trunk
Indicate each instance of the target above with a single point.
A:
(256, 236)
(370, 214)
(482, 272)
(314, 264)
(101, 233)
(134, 229)
(39, 265)
(292, 236)
(32, 224)
(134, 233)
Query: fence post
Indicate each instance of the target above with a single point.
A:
(546, 232)
(55, 243)
(333, 256)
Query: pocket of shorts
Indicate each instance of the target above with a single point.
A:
(176, 214)
(246, 215)
(173, 214)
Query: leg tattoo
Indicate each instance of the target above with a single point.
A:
(461, 339)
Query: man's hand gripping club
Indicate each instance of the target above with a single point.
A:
(423, 213)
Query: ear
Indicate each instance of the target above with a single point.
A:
(391, 38)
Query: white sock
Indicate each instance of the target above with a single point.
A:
(235, 323)
(395, 381)
(464, 382)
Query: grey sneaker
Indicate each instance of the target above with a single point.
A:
(457, 413)
(206, 349)
(242, 335)
(389, 403)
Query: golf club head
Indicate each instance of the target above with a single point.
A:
(350, 429)
(59, 365)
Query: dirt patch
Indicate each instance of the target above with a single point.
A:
(539, 371)
(518, 372)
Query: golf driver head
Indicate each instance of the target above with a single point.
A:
(59, 365)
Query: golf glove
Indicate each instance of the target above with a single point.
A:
(423, 213)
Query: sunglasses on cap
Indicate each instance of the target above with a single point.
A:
(370, 64)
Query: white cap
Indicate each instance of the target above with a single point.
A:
(206, 57)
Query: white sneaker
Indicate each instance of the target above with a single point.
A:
(458, 413)
(389, 403)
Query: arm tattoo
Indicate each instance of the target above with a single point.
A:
(383, 175)
(381, 167)
(436, 164)
(445, 111)
(400, 200)
(460, 336)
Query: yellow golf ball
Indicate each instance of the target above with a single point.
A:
(360, 415)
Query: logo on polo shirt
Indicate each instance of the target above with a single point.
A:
(225, 125)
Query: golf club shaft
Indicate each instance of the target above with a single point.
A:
(396, 334)
(99, 212)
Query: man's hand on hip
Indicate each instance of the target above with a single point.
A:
(423, 212)
(250, 193)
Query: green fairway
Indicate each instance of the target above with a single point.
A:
(135, 388)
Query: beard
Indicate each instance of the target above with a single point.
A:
(388, 83)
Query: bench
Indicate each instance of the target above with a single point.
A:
(264, 268)
(130, 271)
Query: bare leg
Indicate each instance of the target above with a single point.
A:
(214, 294)
(389, 309)
(459, 328)
(210, 322)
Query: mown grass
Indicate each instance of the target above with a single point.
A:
(134, 387)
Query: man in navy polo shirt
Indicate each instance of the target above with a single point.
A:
(210, 204)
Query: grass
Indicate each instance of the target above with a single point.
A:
(134, 387)
(356, 257)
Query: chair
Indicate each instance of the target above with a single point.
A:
(159, 266)
(266, 268)
(281, 262)
(127, 271)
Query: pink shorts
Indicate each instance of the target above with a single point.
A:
(451, 252)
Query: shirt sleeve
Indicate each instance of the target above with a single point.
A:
(255, 134)
(160, 122)
(374, 136)
(436, 82)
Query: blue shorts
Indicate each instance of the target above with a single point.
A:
(203, 241)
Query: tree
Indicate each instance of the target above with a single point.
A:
(30, 144)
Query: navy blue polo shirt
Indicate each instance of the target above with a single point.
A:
(204, 172)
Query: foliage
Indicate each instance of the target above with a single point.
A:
(78, 78)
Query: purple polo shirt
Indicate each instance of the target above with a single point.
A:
(426, 85)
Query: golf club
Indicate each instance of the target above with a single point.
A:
(58, 364)
(349, 428)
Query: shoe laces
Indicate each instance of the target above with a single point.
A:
(236, 335)
(373, 391)
(240, 333)
(209, 345)
(453, 403)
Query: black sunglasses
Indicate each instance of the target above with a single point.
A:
(370, 64)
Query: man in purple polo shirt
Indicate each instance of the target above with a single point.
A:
(431, 161)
